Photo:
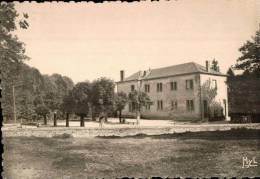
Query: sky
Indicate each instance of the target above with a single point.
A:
(86, 41)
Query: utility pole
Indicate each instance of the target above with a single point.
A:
(14, 107)
(139, 85)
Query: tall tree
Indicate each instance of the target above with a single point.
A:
(42, 110)
(81, 95)
(230, 74)
(250, 59)
(139, 99)
(68, 106)
(120, 100)
(12, 52)
(102, 96)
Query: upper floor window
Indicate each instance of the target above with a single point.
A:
(189, 84)
(173, 85)
(147, 88)
(190, 105)
(159, 87)
(132, 87)
(159, 105)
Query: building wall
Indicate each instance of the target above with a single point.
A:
(167, 96)
(221, 91)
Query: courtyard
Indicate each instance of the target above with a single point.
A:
(191, 154)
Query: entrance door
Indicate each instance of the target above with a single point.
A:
(225, 108)
(205, 107)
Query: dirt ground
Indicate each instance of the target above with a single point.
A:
(198, 154)
(130, 123)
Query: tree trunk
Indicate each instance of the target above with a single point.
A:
(93, 116)
(45, 120)
(67, 119)
(106, 117)
(120, 116)
(55, 120)
(82, 124)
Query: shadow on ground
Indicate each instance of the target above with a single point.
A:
(233, 134)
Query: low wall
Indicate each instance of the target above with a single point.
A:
(92, 132)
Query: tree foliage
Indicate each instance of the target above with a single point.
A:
(81, 94)
(249, 61)
(33, 90)
(102, 96)
(214, 65)
(120, 100)
(12, 51)
(42, 110)
(139, 99)
(68, 104)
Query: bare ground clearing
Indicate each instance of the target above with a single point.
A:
(201, 154)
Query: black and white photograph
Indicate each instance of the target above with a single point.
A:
(140, 89)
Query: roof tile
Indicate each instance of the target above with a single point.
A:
(180, 69)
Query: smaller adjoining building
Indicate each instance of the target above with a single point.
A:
(187, 91)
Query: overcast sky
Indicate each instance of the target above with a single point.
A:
(86, 41)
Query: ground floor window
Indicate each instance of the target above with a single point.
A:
(190, 105)
(147, 107)
(131, 107)
(174, 105)
(159, 105)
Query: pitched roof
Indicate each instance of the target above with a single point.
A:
(185, 68)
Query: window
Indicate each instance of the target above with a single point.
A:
(214, 84)
(159, 105)
(147, 88)
(189, 84)
(159, 87)
(173, 85)
(131, 107)
(174, 105)
(132, 87)
(190, 105)
(147, 106)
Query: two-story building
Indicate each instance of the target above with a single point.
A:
(183, 92)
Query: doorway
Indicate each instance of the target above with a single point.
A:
(205, 109)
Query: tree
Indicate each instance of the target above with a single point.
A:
(81, 94)
(120, 100)
(56, 87)
(68, 106)
(139, 99)
(209, 94)
(42, 110)
(214, 65)
(250, 59)
(12, 52)
(102, 97)
(230, 74)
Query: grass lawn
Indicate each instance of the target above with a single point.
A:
(200, 154)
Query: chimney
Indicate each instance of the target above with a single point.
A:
(207, 65)
(122, 74)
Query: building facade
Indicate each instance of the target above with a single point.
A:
(183, 92)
